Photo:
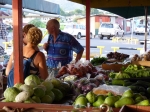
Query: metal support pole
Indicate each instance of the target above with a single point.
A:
(132, 28)
(17, 40)
(146, 12)
(88, 29)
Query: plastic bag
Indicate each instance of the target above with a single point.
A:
(51, 76)
(86, 62)
(53, 72)
(88, 76)
(119, 90)
(59, 65)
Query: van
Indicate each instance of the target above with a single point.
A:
(140, 29)
(77, 30)
(109, 30)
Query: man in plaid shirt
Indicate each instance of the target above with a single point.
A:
(3, 32)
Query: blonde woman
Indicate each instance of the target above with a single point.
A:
(38, 63)
(25, 31)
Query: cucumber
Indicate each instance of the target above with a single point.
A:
(127, 83)
(118, 82)
(134, 88)
(141, 89)
(143, 83)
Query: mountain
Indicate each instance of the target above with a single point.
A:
(67, 5)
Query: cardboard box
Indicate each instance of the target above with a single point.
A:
(142, 63)
(114, 67)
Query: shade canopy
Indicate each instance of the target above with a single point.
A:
(128, 12)
(37, 5)
(124, 8)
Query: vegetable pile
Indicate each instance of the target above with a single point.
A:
(117, 56)
(98, 61)
(143, 57)
(117, 101)
(139, 86)
(80, 69)
(83, 85)
(36, 91)
(132, 71)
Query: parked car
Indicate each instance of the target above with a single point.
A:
(142, 42)
(108, 29)
(140, 29)
(77, 30)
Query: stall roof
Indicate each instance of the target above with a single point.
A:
(37, 5)
(124, 8)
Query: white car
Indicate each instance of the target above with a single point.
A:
(140, 29)
(108, 29)
(76, 30)
(143, 41)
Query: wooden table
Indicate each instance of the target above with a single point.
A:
(50, 107)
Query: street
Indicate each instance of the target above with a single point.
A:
(106, 43)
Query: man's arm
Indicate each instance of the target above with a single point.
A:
(79, 55)
(45, 46)
(76, 47)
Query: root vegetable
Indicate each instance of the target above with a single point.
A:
(22, 96)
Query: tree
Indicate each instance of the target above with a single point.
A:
(70, 13)
(38, 23)
(62, 12)
(78, 11)
(94, 11)
(101, 12)
(84, 10)
(75, 19)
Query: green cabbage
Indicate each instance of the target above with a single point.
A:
(27, 88)
(11, 93)
(33, 78)
(48, 85)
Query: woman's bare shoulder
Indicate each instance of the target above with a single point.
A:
(40, 55)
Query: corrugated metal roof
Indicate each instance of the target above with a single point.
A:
(37, 5)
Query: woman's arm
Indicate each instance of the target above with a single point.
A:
(42, 65)
(9, 65)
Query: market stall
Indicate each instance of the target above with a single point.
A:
(81, 86)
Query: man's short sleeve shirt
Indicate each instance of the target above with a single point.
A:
(62, 50)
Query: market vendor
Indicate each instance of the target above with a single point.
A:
(60, 46)
(38, 63)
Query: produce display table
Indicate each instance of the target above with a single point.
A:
(49, 107)
(135, 108)
(75, 88)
